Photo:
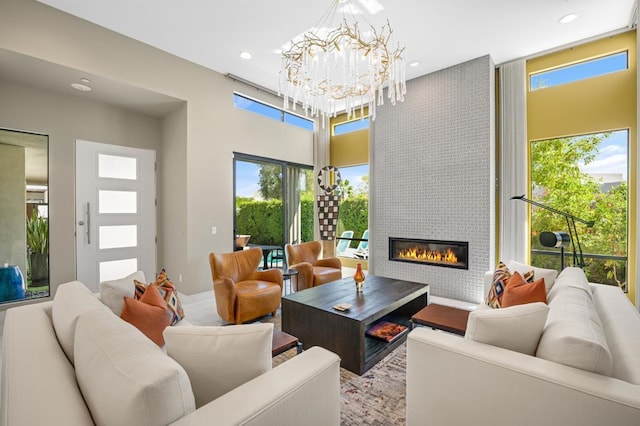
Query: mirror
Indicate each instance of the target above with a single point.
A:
(24, 216)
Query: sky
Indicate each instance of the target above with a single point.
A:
(613, 156)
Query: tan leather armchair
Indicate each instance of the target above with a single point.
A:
(312, 271)
(242, 292)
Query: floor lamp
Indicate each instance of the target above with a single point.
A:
(578, 259)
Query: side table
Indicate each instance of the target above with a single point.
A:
(283, 342)
(287, 275)
(441, 317)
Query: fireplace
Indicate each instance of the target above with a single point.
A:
(450, 254)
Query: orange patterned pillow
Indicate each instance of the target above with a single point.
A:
(148, 314)
(169, 294)
(520, 292)
(501, 277)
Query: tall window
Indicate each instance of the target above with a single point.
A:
(273, 200)
(585, 176)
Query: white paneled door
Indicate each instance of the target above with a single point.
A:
(115, 212)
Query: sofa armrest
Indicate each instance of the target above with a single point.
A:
(329, 262)
(452, 380)
(302, 390)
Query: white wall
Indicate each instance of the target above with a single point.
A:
(196, 184)
(433, 173)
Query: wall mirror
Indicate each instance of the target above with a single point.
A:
(24, 215)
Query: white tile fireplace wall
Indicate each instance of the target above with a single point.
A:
(433, 173)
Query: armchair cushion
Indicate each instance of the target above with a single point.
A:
(219, 359)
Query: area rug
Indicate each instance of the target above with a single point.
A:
(376, 398)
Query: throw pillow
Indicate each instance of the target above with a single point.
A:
(519, 292)
(112, 293)
(549, 275)
(500, 278)
(517, 328)
(169, 294)
(219, 359)
(148, 314)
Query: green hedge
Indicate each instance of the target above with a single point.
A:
(263, 219)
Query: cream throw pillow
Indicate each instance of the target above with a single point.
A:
(517, 328)
(219, 359)
(125, 378)
(549, 275)
(570, 277)
(112, 293)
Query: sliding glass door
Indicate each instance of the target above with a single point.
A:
(273, 200)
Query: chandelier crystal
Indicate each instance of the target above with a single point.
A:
(334, 68)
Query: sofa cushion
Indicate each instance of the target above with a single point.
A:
(573, 334)
(219, 359)
(517, 328)
(570, 277)
(149, 314)
(124, 377)
(112, 293)
(549, 275)
(519, 292)
(71, 300)
(621, 322)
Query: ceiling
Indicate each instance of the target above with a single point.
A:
(436, 33)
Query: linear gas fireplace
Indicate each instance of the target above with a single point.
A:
(450, 254)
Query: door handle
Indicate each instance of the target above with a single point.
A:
(88, 214)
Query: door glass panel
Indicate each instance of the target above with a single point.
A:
(116, 269)
(117, 167)
(117, 202)
(118, 236)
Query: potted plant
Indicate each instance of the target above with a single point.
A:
(38, 246)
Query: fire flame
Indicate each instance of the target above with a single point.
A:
(415, 253)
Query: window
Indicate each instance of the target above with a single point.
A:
(353, 215)
(585, 176)
(350, 126)
(580, 71)
(248, 104)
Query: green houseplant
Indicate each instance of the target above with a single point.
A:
(38, 246)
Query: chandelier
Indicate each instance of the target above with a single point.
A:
(334, 68)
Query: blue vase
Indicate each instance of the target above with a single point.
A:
(11, 283)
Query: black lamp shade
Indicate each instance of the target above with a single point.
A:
(555, 239)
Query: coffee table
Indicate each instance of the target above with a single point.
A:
(309, 315)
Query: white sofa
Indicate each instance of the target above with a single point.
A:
(456, 381)
(116, 375)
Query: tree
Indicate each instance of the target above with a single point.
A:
(270, 181)
(557, 181)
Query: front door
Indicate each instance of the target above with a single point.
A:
(115, 212)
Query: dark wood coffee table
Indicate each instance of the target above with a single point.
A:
(309, 315)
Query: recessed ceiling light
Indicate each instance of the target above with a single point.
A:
(568, 18)
(414, 64)
(245, 55)
(81, 87)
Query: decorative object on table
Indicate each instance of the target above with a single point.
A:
(335, 66)
(386, 331)
(359, 277)
(578, 258)
(342, 307)
(328, 204)
(12, 284)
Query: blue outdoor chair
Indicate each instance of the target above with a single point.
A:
(343, 245)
